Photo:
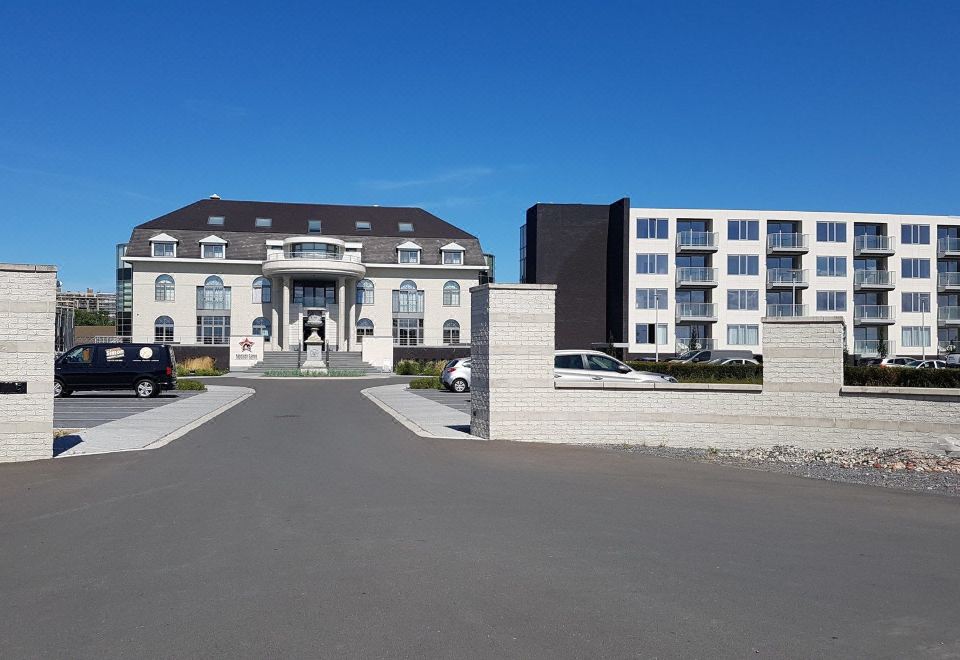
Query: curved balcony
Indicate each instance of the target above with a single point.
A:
(310, 262)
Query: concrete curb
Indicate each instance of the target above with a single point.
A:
(419, 428)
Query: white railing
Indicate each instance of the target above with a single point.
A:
(697, 310)
(948, 245)
(872, 347)
(948, 279)
(874, 312)
(786, 241)
(702, 240)
(310, 254)
(786, 276)
(786, 310)
(696, 275)
(874, 278)
(699, 344)
(874, 244)
(948, 314)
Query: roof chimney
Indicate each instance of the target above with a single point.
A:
(214, 196)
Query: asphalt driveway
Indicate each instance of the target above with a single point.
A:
(83, 410)
(456, 401)
(306, 522)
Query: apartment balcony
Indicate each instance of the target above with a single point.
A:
(700, 344)
(334, 264)
(949, 316)
(948, 247)
(697, 241)
(787, 278)
(874, 280)
(872, 347)
(696, 277)
(874, 314)
(779, 311)
(947, 282)
(696, 312)
(788, 243)
(947, 346)
(874, 246)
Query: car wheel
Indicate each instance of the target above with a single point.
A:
(59, 391)
(145, 388)
(460, 386)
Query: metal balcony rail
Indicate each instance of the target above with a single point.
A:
(786, 310)
(874, 243)
(874, 278)
(948, 245)
(786, 276)
(699, 344)
(872, 347)
(948, 313)
(948, 346)
(696, 274)
(697, 239)
(874, 312)
(948, 279)
(310, 254)
(697, 310)
(786, 241)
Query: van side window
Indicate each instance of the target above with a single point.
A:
(82, 355)
(567, 362)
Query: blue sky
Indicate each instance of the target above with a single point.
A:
(114, 113)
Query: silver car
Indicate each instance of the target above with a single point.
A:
(597, 366)
(456, 375)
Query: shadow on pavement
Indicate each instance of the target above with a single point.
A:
(64, 443)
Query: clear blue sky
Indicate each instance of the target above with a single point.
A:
(114, 113)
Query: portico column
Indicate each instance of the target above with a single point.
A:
(352, 315)
(275, 314)
(285, 315)
(341, 313)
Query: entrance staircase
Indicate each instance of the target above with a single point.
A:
(349, 361)
(277, 361)
(291, 360)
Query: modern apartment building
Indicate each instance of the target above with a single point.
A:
(218, 268)
(665, 280)
(90, 301)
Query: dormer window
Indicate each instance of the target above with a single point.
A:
(363, 225)
(408, 253)
(314, 227)
(163, 245)
(215, 220)
(263, 223)
(213, 247)
(405, 227)
(452, 254)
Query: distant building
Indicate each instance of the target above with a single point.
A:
(89, 301)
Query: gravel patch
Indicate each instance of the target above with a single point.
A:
(898, 468)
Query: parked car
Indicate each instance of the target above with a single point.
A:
(456, 375)
(734, 361)
(932, 364)
(706, 355)
(898, 362)
(597, 366)
(144, 368)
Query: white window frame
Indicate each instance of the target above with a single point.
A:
(661, 329)
(171, 289)
(912, 335)
(222, 251)
(402, 251)
(654, 298)
(743, 333)
(451, 295)
(743, 300)
(153, 249)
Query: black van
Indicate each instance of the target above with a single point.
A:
(144, 368)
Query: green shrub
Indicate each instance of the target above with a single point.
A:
(406, 368)
(419, 367)
(699, 372)
(185, 384)
(901, 377)
(427, 383)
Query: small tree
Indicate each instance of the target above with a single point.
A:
(694, 342)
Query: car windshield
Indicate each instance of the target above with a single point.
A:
(687, 355)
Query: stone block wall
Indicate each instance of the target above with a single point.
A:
(802, 401)
(27, 310)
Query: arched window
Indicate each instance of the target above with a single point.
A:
(408, 285)
(163, 330)
(451, 332)
(213, 281)
(364, 329)
(451, 294)
(408, 300)
(261, 290)
(261, 328)
(365, 292)
(163, 289)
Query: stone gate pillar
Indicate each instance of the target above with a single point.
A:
(803, 354)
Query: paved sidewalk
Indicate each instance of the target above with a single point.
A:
(419, 414)
(153, 428)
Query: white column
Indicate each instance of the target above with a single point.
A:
(285, 315)
(275, 285)
(352, 315)
(341, 314)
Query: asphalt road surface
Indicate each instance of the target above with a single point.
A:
(456, 401)
(83, 410)
(306, 522)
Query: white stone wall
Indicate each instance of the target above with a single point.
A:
(27, 310)
(801, 402)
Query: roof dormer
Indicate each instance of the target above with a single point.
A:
(408, 253)
(163, 245)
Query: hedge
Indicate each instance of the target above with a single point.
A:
(901, 377)
(419, 367)
(700, 372)
(428, 383)
(185, 384)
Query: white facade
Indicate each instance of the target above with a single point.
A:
(784, 271)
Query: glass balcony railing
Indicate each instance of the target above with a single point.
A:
(786, 310)
(874, 278)
(872, 347)
(786, 277)
(874, 244)
(697, 240)
(314, 254)
(696, 310)
(948, 314)
(788, 242)
(874, 313)
(685, 344)
(696, 275)
(948, 280)
(948, 245)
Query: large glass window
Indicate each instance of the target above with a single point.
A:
(655, 264)
(364, 329)
(261, 328)
(831, 232)
(163, 330)
(364, 292)
(315, 250)
(215, 220)
(743, 230)
(164, 289)
(407, 332)
(263, 223)
(453, 257)
(831, 266)
(915, 234)
(915, 336)
(648, 333)
(831, 301)
(451, 332)
(743, 264)
(451, 294)
(652, 299)
(261, 291)
(164, 249)
(652, 228)
(743, 299)
(314, 294)
(916, 302)
(915, 268)
(408, 300)
(314, 226)
(213, 295)
(213, 329)
(743, 335)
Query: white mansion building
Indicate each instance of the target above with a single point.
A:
(219, 268)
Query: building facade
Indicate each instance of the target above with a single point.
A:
(218, 268)
(89, 301)
(675, 279)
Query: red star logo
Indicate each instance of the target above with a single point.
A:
(246, 345)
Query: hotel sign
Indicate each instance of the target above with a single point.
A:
(245, 351)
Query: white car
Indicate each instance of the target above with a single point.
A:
(932, 364)
(735, 361)
(898, 362)
(597, 366)
(456, 375)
